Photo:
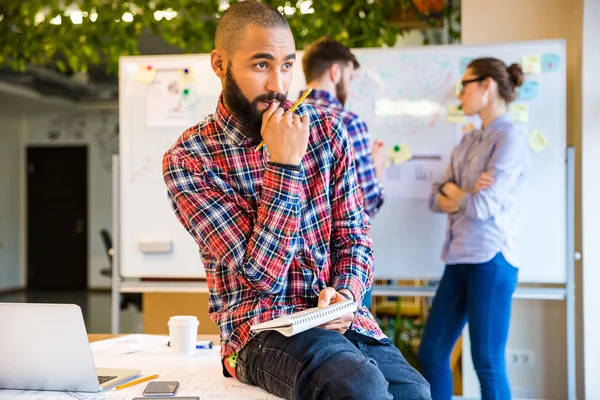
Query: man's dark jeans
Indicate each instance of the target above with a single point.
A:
(323, 364)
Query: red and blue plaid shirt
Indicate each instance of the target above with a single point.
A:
(358, 133)
(270, 238)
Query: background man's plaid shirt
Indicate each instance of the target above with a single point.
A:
(271, 239)
(358, 133)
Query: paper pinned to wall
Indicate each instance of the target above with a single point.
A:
(187, 76)
(528, 91)
(398, 154)
(455, 114)
(518, 112)
(531, 64)
(537, 140)
(145, 74)
(164, 102)
(550, 62)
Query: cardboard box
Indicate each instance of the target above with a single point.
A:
(159, 307)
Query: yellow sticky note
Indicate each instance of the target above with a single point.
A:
(400, 153)
(455, 114)
(187, 76)
(531, 64)
(457, 88)
(519, 112)
(537, 140)
(146, 74)
(468, 128)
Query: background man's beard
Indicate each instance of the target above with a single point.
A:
(341, 93)
(244, 110)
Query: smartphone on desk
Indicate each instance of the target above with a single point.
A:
(160, 388)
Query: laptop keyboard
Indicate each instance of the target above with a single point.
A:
(102, 379)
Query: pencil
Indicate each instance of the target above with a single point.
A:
(300, 100)
(128, 384)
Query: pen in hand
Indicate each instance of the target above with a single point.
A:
(300, 100)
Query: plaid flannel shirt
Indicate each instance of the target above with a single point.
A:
(271, 239)
(358, 133)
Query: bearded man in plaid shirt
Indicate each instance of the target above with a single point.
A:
(281, 228)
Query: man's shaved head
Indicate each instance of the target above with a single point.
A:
(237, 18)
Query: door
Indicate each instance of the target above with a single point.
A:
(57, 254)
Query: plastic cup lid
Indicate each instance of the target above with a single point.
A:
(184, 320)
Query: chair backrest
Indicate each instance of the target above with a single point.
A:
(107, 240)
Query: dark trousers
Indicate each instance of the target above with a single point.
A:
(322, 364)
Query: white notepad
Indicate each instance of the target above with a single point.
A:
(301, 321)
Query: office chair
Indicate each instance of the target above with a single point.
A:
(126, 298)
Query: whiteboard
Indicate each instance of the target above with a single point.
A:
(404, 95)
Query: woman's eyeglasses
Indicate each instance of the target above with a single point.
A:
(464, 83)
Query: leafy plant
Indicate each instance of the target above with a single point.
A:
(73, 35)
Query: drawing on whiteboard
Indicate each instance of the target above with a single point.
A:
(164, 103)
(404, 97)
(413, 179)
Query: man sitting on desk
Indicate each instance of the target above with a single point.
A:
(281, 227)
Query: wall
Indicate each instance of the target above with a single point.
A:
(96, 129)
(590, 195)
(538, 325)
(11, 159)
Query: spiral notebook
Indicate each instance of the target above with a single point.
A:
(301, 321)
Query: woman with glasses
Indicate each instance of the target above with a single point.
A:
(482, 192)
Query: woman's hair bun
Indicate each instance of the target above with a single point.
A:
(515, 73)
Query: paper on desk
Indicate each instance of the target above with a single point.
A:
(129, 344)
(198, 375)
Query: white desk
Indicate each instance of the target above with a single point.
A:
(198, 375)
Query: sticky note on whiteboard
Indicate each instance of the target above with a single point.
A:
(531, 64)
(400, 153)
(528, 91)
(519, 112)
(464, 64)
(155, 247)
(187, 76)
(146, 74)
(537, 140)
(550, 62)
(455, 114)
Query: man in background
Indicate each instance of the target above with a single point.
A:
(328, 68)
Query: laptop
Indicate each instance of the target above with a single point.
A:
(45, 347)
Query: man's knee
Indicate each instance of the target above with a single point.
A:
(414, 391)
(364, 381)
(369, 383)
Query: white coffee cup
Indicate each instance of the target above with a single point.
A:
(183, 332)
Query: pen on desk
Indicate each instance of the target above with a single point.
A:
(300, 100)
(128, 384)
(203, 344)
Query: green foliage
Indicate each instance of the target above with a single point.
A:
(103, 35)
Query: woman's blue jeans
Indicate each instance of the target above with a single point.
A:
(482, 295)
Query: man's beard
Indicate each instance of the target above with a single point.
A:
(244, 110)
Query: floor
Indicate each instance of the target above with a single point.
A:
(95, 307)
